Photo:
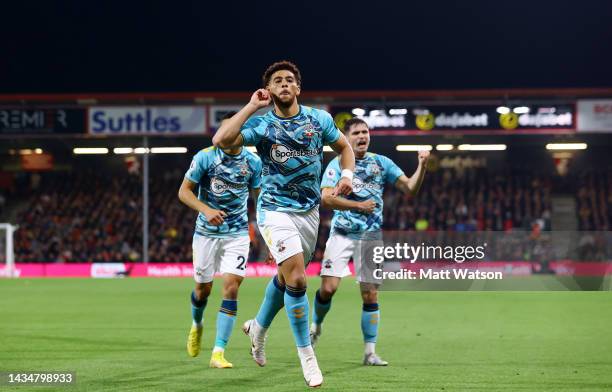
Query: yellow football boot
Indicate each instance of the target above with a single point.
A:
(194, 341)
(217, 360)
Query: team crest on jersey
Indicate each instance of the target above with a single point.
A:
(244, 169)
(309, 130)
(331, 173)
(374, 169)
(327, 263)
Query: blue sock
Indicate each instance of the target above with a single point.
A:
(320, 308)
(272, 303)
(197, 308)
(225, 322)
(296, 305)
(370, 317)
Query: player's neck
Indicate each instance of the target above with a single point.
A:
(288, 111)
(233, 150)
(360, 155)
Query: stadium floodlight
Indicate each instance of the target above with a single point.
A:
(482, 147)
(38, 151)
(503, 110)
(566, 146)
(123, 150)
(521, 110)
(395, 112)
(90, 150)
(444, 147)
(9, 253)
(413, 147)
(169, 150)
(358, 112)
(327, 149)
(141, 150)
(26, 151)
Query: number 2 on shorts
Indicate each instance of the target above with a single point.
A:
(242, 261)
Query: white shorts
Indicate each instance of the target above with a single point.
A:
(338, 251)
(289, 233)
(225, 255)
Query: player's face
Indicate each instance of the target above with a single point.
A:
(283, 87)
(359, 138)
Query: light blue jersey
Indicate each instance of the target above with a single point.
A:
(371, 174)
(224, 181)
(291, 150)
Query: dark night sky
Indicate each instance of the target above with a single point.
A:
(86, 46)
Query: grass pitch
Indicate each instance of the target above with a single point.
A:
(130, 335)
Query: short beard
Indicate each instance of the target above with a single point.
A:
(278, 102)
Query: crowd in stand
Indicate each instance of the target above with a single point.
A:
(593, 201)
(87, 216)
(456, 201)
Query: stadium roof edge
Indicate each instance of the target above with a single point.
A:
(324, 96)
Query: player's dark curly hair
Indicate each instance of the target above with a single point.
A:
(282, 65)
(353, 121)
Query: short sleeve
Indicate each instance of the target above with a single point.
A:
(253, 130)
(256, 176)
(331, 134)
(198, 166)
(392, 171)
(331, 176)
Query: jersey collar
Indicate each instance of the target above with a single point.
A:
(287, 118)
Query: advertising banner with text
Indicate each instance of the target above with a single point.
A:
(147, 120)
(595, 115)
(460, 118)
(43, 121)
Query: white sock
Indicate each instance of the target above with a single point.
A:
(258, 329)
(370, 348)
(305, 352)
(218, 349)
(315, 327)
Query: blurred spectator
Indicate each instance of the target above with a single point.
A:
(593, 200)
(92, 216)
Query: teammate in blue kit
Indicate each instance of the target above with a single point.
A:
(356, 224)
(221, 239)
(289, 140)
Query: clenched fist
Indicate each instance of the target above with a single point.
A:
(423, 157)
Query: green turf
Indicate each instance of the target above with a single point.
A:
(129, 335)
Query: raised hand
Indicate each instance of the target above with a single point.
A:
(260, 98)
(423, 157)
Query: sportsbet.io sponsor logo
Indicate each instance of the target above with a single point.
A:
(219, 186)
(281, 154)
(358, 185)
